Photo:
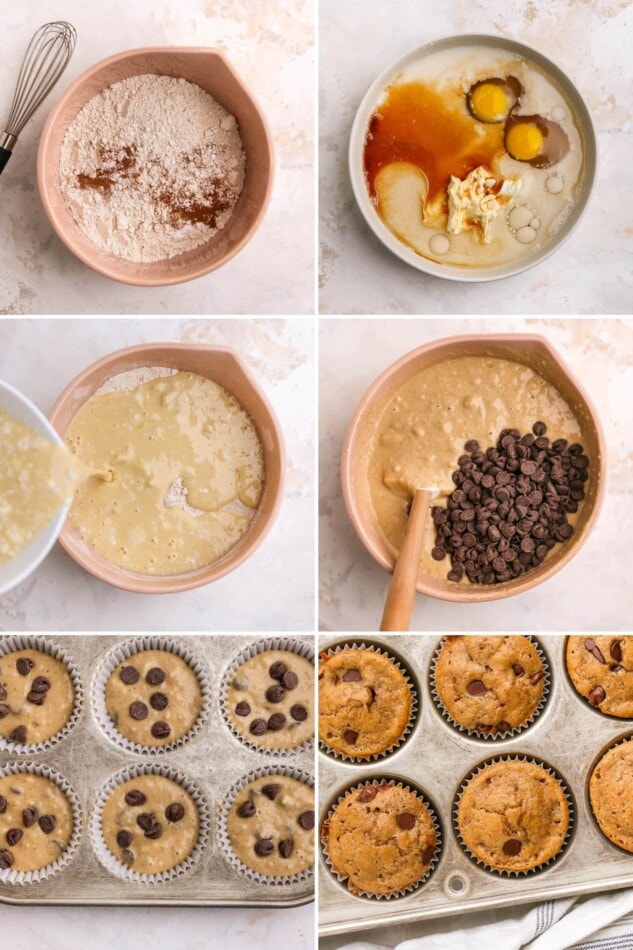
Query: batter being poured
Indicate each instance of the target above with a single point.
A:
(188, 474)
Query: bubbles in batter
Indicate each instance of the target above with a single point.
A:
(559, 113)
(439, 244)
(523, 223)
(554, 184)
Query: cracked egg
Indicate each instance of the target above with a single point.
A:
(492, 100)
(535, 139)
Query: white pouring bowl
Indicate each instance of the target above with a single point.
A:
(13, 572)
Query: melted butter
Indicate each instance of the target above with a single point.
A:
(181, 429)
(36, 478)
(423, 428)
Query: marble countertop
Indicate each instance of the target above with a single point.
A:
(273, 589)
(271, 46)
(593, 271)
(592, 592)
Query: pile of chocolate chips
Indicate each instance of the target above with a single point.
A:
(36, 695)
(509, 506)
(45, 823)
(146, 821)
(285, 680)
(158, 701)
(264, 847)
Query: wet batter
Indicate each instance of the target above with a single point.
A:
(36, 822)
(36, 696)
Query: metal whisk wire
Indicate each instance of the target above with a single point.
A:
(46, 58)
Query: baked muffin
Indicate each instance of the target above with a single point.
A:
(37, 696)
(271, 826)
(36, 822)
(601, 669)
(153, 698)
(490, 685)
(365, 702)
(513, 816)
(381, 838)
(610, 794)
(270, 699)
(150, 824)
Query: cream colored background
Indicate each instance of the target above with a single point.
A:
(592, 42)
(270, 43)
(273, 589)
(593, 592)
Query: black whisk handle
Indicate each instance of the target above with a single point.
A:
(5, 155)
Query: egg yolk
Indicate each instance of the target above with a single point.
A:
(489, 102)
(524, 141)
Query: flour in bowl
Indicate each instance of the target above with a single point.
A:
(152, 167)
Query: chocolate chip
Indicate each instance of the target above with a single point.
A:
(536, 677)
(271, 791)
(3, 804)
(352, 676)
(4, 710)
(539, 428)
(264, 847)
(277, 670)
(472, 445)
(438, 553)
(306, 820)
(13, 835)
(242, 709)
(6, 860)
(276, 722)
(594, 649)
(616, 651)
(503, 726)
(160, 729)
(155, 676)
(512, 847)
(18, 735)
(155, 831)
(40, 685)
(135, 797)
(275, 694)
(47, 824)
(428, 854)
(36, 698)
(129, 675)
(290, 680)
(158, 701)
(258, 727)
(124, 838)
(286, 847)
(145, 821)
(138, 710)
(368, 793)
(29, 817)
(350, 736)
(24, 665)
(174, 812)
(476, 688)
(518, 670)
(406, 821)
(299, 713)
(596, 696)
(247, 809)
(3, 692)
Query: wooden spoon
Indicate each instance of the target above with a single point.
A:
(399, 603)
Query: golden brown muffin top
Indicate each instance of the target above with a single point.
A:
(601, 669)
(610, 794)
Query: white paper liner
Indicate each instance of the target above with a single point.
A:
(403, 892)
(619, 740)
(223, 834)
(514, 758)
(377, 756)
(10, 876)
(14, 642)
(112, 863)
(262, 646)
(125, 651)
(491, 736)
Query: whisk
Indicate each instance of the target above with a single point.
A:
(46, 58)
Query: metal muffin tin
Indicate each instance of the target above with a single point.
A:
(568, 735)
(215, 759)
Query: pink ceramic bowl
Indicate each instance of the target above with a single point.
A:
(209, 69)
(224, 367)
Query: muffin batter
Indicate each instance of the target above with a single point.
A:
(601, 669)
(381, 838)
(489, 684)
(424, 426)
(188, 473)
(36, 822)
(150, 824)
(153, 698)
(610, 794)
(36, 696)
(513, 816)
(271, 826)
(364, 703)
(271, 699)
